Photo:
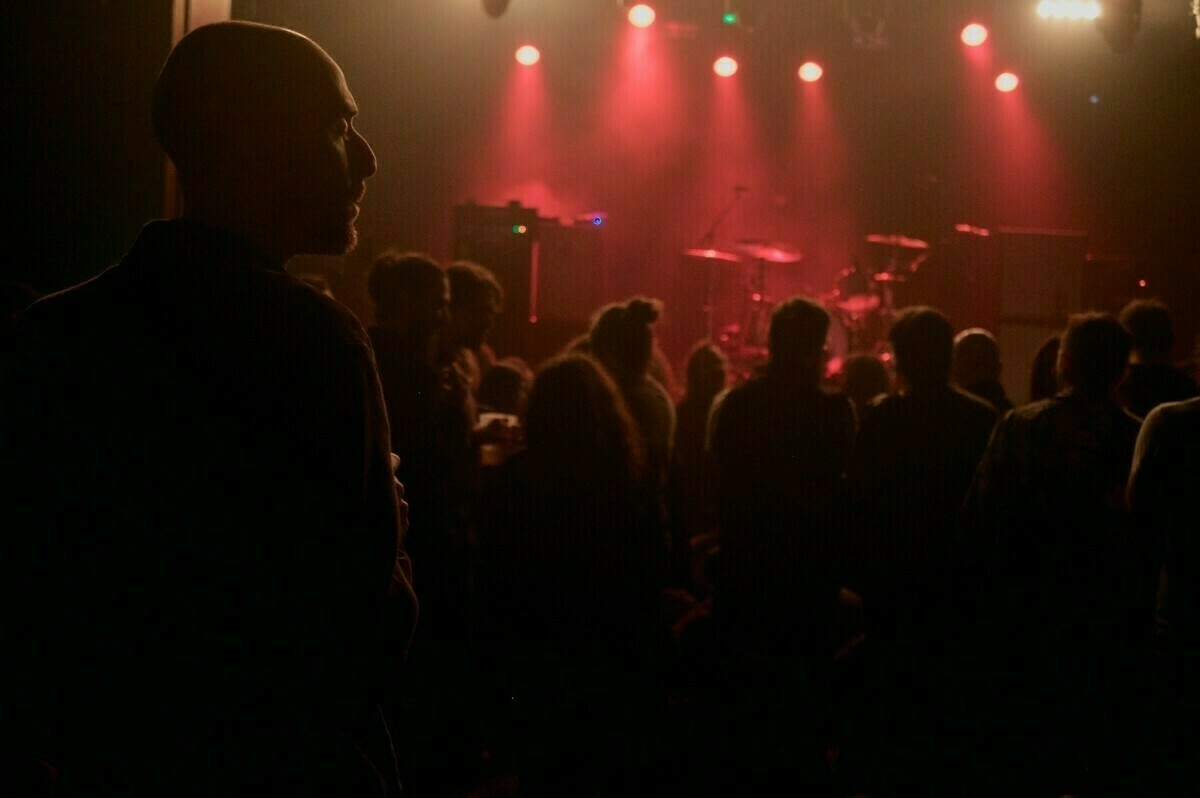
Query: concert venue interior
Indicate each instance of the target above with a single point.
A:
(1010, 163)
(627, 155)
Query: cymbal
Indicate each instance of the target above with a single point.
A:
(772, 252)
(712, 254)
(893, 240)
(890, 277)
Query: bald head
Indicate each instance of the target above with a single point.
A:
(221, 79)
(258, 121)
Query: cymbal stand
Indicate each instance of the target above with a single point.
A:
(706, 242)
(754, 331)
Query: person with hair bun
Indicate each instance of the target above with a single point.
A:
(622, 339)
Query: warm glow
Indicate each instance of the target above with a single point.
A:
(725, 66)
(1068, 9)
(974, 34)
(528, 55)
(811, 71)
(1006, 81)
(641, 16)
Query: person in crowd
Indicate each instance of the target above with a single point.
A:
(864, 377)
(1047, 510)
(622, 339)
(1166, 469)
(977, 367)
(916, 452)
(204, 528)
(476, 299)
(780, 446)
(1152, 378)
(573, 563)
(1043, 375)
(691, 488)
(432, 414)
(911, 466)
(505, 388)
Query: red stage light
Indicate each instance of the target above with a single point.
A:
(528, 55)
(811, 71)
(1006, 81)
(725, 66)
(974, 34)
(641, 16)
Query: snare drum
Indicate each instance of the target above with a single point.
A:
(857, 293)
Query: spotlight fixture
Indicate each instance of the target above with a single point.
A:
(974, 34)
(641, 16)
(1006, 82)
(725, 66)
(528, 55)
(810, 72)
(1069, 9)
(495, 8)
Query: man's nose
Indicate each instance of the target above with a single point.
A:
(364, 156)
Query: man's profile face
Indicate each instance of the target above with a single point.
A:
(321, 162)
(473, 320)
(430, 310)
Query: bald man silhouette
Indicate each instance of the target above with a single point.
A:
(206, 532)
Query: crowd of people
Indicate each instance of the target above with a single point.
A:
(256, 547)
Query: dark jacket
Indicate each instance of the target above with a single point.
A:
(205, 531)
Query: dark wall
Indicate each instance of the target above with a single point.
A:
(85, 171)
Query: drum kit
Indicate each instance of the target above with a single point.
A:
(861, 305)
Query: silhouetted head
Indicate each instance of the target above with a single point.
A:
(923, 342)
(976, 357)
(578, 425)
(1152, 335)
(622, 339)
(410, 292)
(707, 371)
(1094, 353)
(505, 387)
(1043, 373)
(866, 376)
(258, 121)
(476, 298)
(796, 339)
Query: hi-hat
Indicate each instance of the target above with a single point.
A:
(771, 252)
(899, 241)
(712, 254)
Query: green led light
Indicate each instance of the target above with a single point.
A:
(729, 18)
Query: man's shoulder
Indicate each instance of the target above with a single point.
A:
(1172, 417)
(323, 316)
(73, 315)
(977, 408)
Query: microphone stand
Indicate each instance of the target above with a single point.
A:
(706, 242)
